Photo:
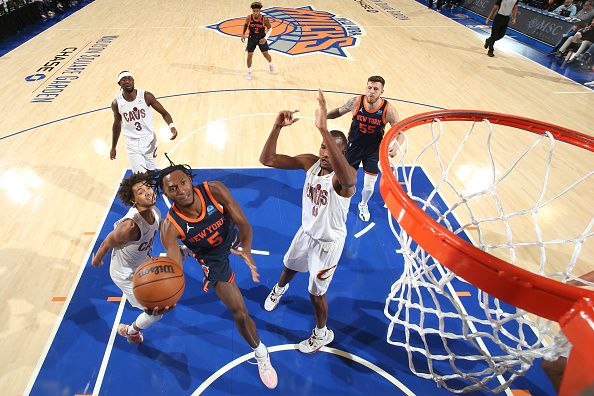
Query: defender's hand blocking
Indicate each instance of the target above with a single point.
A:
(285, 118)
(322, 112)
(249, 260)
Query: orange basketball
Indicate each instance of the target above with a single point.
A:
(158, 282)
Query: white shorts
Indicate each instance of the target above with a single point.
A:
(319, 258)
(124, 282)
(142, 153)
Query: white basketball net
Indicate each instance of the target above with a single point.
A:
(495, 344)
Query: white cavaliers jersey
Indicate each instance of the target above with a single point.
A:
(137, 117)
(324, 212)
(125, 259)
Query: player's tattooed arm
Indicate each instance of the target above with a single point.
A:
(345, 108)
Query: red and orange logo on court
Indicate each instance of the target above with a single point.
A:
(299, 31)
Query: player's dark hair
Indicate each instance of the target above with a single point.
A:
(339, 135)
(256, 5)
(125, 192)
(378, 79)
(160, 175)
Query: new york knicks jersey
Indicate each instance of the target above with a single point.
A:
(125, 259)
(137, 117)
(257, 28)
(213, 228)
(367, 127)
(324, 212)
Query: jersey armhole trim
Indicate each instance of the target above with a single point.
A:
(182, 234)
(212, 198)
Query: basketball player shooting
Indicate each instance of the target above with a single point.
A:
(370, 114)
(132, 114)
(204, 218)
(329, 185)
(132, 240)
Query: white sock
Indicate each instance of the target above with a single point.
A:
(249, 69)
(320, 332)
(368, 186)
(144, 321)
(261, 350)
(279, 290)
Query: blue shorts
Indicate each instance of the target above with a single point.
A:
(253, 43)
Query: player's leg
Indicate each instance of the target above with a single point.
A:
(264, 49)
(323, 261)
(136, 155)
(231, 296)
(133, 332)
(295, 260)
(150, 152)
(250, 48)
(370, 170)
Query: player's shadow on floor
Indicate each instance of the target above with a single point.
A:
(266, 187)
(175, 362)
(527, 74)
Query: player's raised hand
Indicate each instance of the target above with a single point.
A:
(285, 118)
(321, 112)
(249, 260)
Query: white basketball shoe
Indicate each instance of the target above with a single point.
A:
(274, 297)
(267, 372)
(136, 338)
(314, 343)
(248, 75)
(363, 212)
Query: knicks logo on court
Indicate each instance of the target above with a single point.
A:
(299, 31)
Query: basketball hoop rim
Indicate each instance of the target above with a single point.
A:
(534, 293)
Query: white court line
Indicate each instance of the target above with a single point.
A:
(235, 117)
(68, 299)
(589, 91)
(288, 347)
(109, 347)
(364, 230)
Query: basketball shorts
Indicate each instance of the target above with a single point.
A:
(319, 258)
(142, 153)
(215, 264)
(253, 43)
(369, 156)
(124, 282)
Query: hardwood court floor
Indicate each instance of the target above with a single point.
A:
(56, 177)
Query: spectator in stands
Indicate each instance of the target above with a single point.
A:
(585, 16)
(567, 9)
(584, 37)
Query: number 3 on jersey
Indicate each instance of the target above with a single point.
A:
(137, 126)
(215, 239)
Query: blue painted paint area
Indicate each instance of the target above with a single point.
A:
(36, 28)
(522, 44)
(198, 337)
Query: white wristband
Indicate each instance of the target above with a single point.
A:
(171, 126)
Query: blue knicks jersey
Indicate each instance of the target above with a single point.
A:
(212, 229)
(257, 28)
(367, 128)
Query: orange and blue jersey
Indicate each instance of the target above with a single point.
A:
(210, 232)
(367, 127)
(257, 28)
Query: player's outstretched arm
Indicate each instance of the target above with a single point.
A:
(344, 174)
(169, 236)
(126, 231)
(342, 110)
(224, 197)
(116, 128)
(150, 100)
(269, 156)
